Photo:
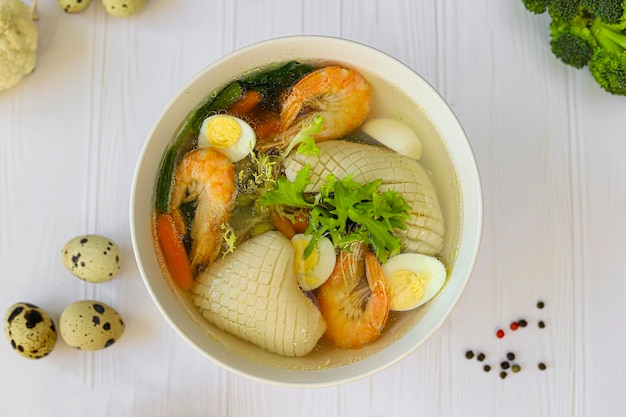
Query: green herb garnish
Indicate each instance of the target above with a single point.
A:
(304, 139)
(346, 211)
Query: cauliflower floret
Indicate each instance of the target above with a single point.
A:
(18, 42)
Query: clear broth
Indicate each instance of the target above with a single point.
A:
(390, 102)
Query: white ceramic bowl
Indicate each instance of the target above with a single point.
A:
(446, 152)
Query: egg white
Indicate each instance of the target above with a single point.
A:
(395, 135)
(309, 276)
(240, 147)
(429, 276)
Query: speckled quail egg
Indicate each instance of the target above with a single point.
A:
(395, 135)
(230, 135)
(73, 6)
(413, 279)
(30, 330)
(92, 258)
(90, 325)
(314, 270)
(123, 8)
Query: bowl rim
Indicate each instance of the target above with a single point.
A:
(473, 209)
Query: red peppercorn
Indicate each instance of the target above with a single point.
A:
(500, 333)
(514, 326)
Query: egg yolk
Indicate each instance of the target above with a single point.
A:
(222, 132)
(406, 287)
(303, 266)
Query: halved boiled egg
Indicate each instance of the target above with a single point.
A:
(230, 135)
(313, 271)
(395, 135)
(413, 279)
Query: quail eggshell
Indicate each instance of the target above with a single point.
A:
(123, 8)
(92, 258)
(30, 330)
(90, 325)
(73, 6)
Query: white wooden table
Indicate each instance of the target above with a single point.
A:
(550, 146)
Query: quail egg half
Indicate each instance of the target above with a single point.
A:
(413, 279)
(228, 134)
(395, 135)
(312, 271)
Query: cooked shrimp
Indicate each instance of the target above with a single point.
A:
(340, 95)
(355, 309)
(207, 176)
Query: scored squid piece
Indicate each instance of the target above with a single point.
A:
(253, 293)
(406, 176)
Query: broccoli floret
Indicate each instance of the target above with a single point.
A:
(589, 32)
(536, 6)
(608, 37)
(609, 11)
(564, 10)
(572, 42)
(608, 64)
(609, 70)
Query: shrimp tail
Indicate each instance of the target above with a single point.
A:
(207, 224)
(378, 307)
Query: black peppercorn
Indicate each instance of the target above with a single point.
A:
(540, 305)
(510, 356)
(502, 374)
(481, 357)
(469, 354)
(542, 366)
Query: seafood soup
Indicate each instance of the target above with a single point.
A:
(296, 216)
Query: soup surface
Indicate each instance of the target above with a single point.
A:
(295, 211)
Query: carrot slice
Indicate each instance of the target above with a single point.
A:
(283, 225)
(174, 251)
(301, 222)
(246, 103)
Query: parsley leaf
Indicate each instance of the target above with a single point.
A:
(304, 139)
(346, 211)
(288, 193)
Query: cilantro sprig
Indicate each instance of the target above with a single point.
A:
(346, 211)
